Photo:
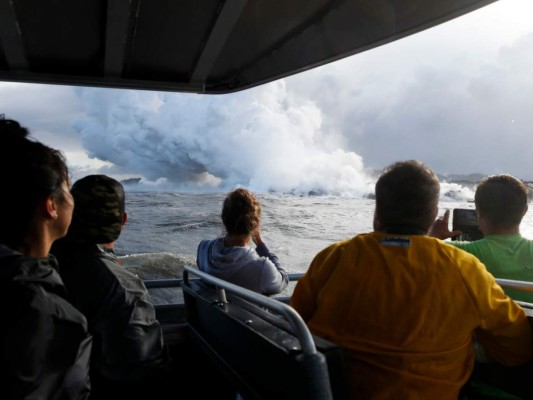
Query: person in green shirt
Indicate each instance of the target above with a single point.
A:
(501, 203)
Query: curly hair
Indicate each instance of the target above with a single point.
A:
(241, 212)
(502, 199)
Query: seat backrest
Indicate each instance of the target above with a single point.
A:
(257, 350)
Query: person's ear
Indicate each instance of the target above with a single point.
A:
(124, 218)
(50, 208)
(435, 213)
(376, 222)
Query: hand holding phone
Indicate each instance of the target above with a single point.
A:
(465, 220)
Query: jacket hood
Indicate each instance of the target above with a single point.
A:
(213, 256)
(15, 266)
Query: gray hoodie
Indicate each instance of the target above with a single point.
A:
(258, 270)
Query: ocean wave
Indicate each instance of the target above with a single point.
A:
(450, 191)
(164, 265)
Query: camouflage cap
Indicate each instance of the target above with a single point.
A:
(98, 209)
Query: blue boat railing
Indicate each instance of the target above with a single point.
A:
(293, 318)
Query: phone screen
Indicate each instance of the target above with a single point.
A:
(465, 220)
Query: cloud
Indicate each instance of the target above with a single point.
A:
(47, 110)
(460, 110)
(456, 96)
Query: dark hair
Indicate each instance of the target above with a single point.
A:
(241, 212)
(99, 209)
(502, 199)
(30, 172)
(407, 193)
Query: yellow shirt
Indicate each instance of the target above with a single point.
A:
(405, 309)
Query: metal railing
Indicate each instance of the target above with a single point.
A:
(300, 329)
(171, 283)
(523, 286)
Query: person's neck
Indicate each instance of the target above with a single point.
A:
(36, 245)
(236, 240)
(110, 245)
(404, 229)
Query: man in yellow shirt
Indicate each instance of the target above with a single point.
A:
(405, 307)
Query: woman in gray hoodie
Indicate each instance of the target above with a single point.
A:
(231, 258)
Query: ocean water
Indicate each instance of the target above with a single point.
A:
(164, 229)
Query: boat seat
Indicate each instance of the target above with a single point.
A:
(257, 350)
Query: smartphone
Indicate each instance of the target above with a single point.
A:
(465, 220)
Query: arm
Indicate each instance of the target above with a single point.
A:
(46, 347)
(274, 278)
(130, 334)
(305, 296)
(504, 330)
(24, 345)
(144, 332)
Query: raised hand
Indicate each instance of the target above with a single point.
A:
(256, 236)
(440, 228)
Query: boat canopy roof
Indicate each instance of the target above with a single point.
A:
(202, 46)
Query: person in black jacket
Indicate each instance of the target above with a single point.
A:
(45, 344)
(128, 339)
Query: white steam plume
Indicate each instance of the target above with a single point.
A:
(261, 139)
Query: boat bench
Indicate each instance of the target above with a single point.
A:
(257, 350)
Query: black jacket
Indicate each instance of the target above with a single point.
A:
(45, 344)
(127, 337)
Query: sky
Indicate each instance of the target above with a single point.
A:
(458, 97)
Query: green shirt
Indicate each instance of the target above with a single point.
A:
(506, 257)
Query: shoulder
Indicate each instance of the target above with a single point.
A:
(37, 290)
(524, 241)
(31, 272)
(124, 279)
(330, 256)
(456, 250)
(102, 264)
(35, 299)
(111, 270)
(206, 242)
(343, 245)
(72, 254)
(204, 245)
(469, 245)
(466, 262)
(90, 268)
(349, 245)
